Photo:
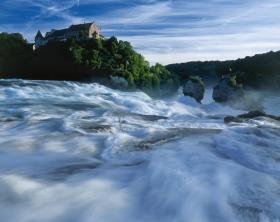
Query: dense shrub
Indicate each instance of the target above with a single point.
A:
(197, 79)
(92, 59)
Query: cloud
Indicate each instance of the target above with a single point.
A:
(174, 49)
(142, 14)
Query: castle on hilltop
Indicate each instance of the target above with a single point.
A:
(78, 32)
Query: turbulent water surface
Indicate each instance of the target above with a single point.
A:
(82, 152)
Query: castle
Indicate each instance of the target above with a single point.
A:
(78, 32)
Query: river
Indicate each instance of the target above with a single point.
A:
(83, 152)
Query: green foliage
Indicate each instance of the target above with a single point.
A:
(206, 70)
(257, 71)
(14, 54)
(77, 53)
(197, 79)
(92, 59)
(232, 81)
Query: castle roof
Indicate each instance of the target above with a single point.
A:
(56, 33)
(80, 26)
(39, 35)
(72, 28)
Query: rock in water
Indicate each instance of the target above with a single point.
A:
(247, 116)
(119, 82)
(194, 88)
(227, 90)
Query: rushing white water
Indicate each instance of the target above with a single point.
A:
(82, 152)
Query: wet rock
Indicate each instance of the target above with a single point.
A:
(247, 116)
(119, 82)
(98, 128)
(151, 118)
(8, 119)
(63, 172)
(102, 128)
(227, 90)
(90, 127)
(194, 88)
(173, 134)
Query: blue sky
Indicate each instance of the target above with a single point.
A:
(165, 31)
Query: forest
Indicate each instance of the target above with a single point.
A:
(258, 71)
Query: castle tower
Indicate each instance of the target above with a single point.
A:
(39, 39)
(38, 36)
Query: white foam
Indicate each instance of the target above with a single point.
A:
(84, 152)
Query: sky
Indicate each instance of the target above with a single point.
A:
(164, 31)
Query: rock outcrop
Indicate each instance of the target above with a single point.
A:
(194, 88)
(227, 90)
(247, 116)
(119, 82)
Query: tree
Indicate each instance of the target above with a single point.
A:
(94, 59)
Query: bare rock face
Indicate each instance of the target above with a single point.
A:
(227, 90)
(194, 88)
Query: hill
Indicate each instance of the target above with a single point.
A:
(259, 71)
(98, 60)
